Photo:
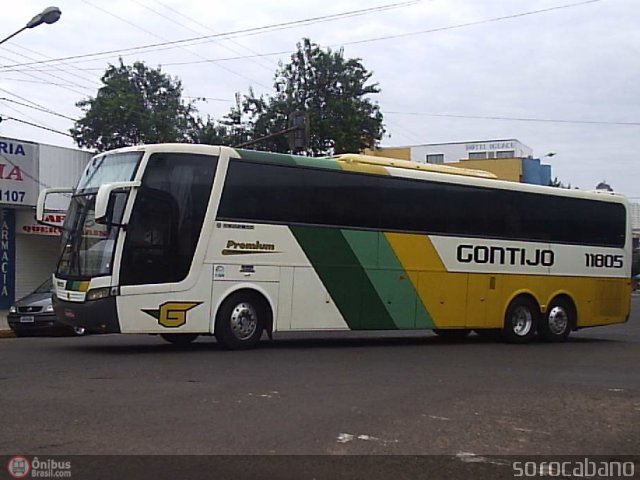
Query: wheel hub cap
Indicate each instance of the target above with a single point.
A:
(558, 320)
(244, 321)
(522, 321)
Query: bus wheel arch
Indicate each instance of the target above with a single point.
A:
(241, 318)
(560, 318)
(521, 318)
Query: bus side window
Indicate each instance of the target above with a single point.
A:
(151, 239)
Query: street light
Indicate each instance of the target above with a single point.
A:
(48, 15)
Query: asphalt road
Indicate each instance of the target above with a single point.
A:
(409, 394)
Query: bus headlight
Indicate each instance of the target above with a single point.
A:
(98, 293)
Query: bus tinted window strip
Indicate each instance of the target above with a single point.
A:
(412, 232)
(294, 195)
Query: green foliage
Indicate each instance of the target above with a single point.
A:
(332, 90)
(209, 132)
(136, 104)
(557, 183)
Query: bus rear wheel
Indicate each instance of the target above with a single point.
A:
(240, 321)
(557, 323)
(180, 339)
(521, 320)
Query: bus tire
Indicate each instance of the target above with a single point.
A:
(521, 320)
(240, 321)
(179, 339)
(557, 323)
(452, 333)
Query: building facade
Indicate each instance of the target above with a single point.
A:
(28, 251)
(508, 159)
(460, 151)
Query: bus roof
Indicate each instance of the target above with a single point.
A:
(398, 163)
(372, 164)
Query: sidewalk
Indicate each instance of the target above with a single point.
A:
(4, 325)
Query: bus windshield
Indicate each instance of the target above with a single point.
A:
(116, 167)
(87, 247)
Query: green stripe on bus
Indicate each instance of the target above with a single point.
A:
(266, 157)
(290, 160)
(403, 290)
(344, 277)
(392, 283)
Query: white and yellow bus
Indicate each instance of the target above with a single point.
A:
(186, 240)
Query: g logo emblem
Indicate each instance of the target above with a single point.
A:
(172, 314)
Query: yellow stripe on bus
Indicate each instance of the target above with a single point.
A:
(415, 252)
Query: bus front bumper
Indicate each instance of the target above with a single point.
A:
(95, 315)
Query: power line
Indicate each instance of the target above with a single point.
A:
(516, 119)
(78, 69)
(185, 48)
(38, 77)
(6, 117)
(403, 131)
(45, 110)
(26, 100)
(472, 24)
(41, 82)
(55, 67)
(205, 27)
(354, 42)
(169, 64)
(20, 112)
(250, 31)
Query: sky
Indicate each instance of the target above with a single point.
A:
(561, 76)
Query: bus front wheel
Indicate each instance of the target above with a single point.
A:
(558, 321)
(521, 320)
(240, 321)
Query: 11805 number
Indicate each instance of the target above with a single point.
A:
(601, 260)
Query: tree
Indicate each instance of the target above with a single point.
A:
(558, 184)
(209, 131)
(136, 104)
(332, 90)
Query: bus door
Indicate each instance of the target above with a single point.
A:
(164, 285)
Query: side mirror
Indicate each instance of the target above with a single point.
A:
(42, 199)
(115, 208)
(104, 198)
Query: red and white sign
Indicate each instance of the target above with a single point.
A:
(26, 223)
(19, 172)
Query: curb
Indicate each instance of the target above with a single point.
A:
(6, 334)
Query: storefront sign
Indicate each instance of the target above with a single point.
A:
(26, 223)
(482, 147)
(7, 258)
(19, 172)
